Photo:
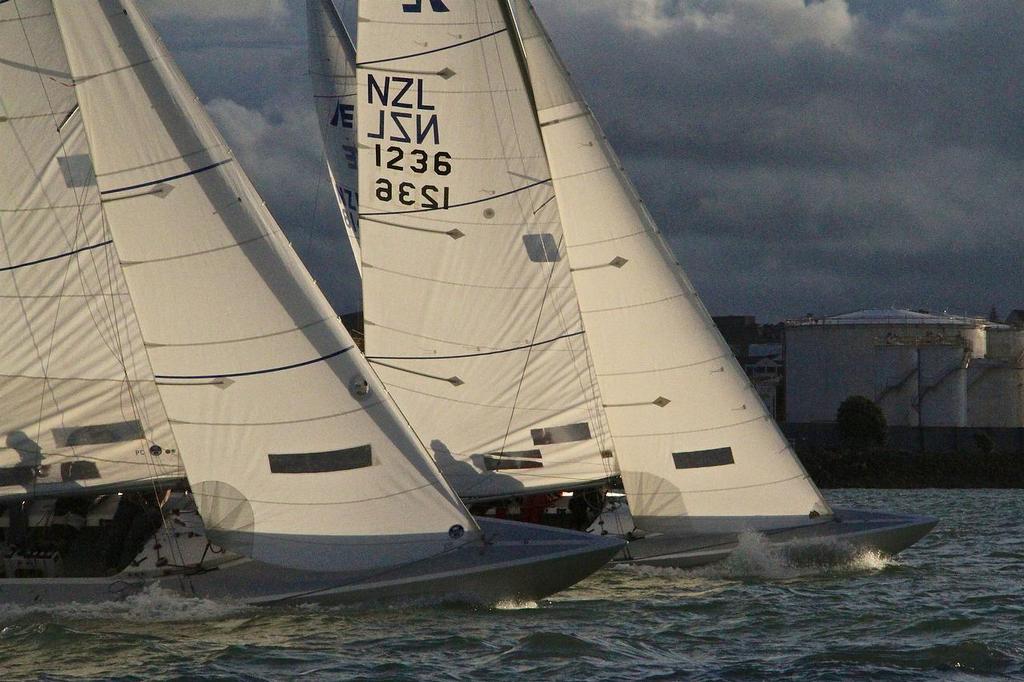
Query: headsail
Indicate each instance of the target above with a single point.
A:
(332, 68)
(694, 442)
(295, 452)
(470, 311)
(78, 407)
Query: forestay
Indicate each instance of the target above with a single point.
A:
(78, 407)
(332, 68)
(471, 315)
(694, 442)
(295, 453)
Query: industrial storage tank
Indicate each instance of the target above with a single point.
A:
(995, 385)
(913, 364)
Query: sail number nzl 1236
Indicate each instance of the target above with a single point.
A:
(405, 138)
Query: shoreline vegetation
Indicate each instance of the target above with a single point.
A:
(882, 467)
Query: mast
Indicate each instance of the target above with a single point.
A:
(332, 70)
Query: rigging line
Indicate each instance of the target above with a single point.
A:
(519, 69)
(79, 227)
(465, 203)
(255, 372)
(426, 52)
(374, 358)
(57, 257)
(591, 401)
(150, 183)
(526, 362)
(316, 198)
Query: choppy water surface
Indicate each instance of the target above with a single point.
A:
(953, 606)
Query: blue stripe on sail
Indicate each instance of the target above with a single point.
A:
(437, 49)
(465, 203)
(373, 358)
(167, 179)
(59, 255)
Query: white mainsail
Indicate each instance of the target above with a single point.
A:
(471, 316)
(332, 68)
(295, 452)
(696, 447)
(79, 409)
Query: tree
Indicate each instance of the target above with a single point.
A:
(861, 422)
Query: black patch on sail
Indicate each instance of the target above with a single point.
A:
(703, 458)
(95, 434)
(20, 475)
(561, 434)
(517, 459)
(78, 471)
(321, 462)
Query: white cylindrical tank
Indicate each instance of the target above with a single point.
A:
(943, 389)
(896, 383)
(995, 391)
(875, 353)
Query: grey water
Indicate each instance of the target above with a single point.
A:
(951, 607)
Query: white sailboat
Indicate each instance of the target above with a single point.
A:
(158, 331)
(332, 68)
(525, 313)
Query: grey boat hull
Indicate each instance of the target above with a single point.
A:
(519, 563)
(848, 532)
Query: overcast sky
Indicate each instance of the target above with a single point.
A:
(800, 155)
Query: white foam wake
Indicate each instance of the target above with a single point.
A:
(154, 604)
(758, 557)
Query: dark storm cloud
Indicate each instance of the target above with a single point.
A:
(863, 157)
(800, 156)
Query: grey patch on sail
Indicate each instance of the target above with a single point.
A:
(79, 471)
(541, 248)
(95, 434)
(18, 475)
(321, 462)
(77, 170)
(517, 459)
(560, 434)
(227, 516)
(703, 458)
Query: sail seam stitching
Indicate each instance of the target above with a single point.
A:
(665, 369)
(254, 372)
(436, 49)
(473, 355)
(721, 427)
(468, 203)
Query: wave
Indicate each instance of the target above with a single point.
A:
(758, 557)
(154, 604)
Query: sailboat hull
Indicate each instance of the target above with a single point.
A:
(841, 537)
(519, 563)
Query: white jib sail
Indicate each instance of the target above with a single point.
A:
(332, 68)
(471, 315)
(295, 453)
(79, 410)
(696, 447)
